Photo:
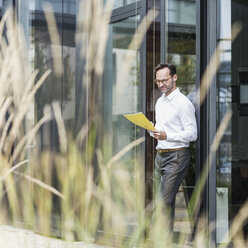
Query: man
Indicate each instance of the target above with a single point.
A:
(175, 129)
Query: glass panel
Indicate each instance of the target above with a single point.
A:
(181, 21)
(69, 58)
(51, 90)
(56, 4)
(121, 96)
(153, 57)
(4, 5)
(181, 12)
(243, 94)
(232, 84)
(181, 51)
(121, 3)
(69, 7)
(56, 88)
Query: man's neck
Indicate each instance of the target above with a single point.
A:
(171, 91)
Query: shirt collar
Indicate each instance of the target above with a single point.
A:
(172, 94)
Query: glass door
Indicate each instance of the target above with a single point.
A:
(181, 51)
(121, 95)
(57, 88)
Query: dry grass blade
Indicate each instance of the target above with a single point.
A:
(5, 132)
(30, 84)
(93, 29)
(13, 169)
(127, 148)
(3, 21)
(213, 67)
(236, 227)
(136, 42)
(61, 127)
(208, 76)
(55, 39)
(194, 201)
(82, 134)
(103, 23)
(5, 105)
(28, 137)
(220, 132)
(23, 108)
(40, 183)
(236, 29)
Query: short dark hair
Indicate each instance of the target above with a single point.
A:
(171, 67)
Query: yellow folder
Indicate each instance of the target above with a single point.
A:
(140, 119)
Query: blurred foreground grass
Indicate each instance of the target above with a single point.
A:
(58, 193)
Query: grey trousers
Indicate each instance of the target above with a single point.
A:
(170, 170)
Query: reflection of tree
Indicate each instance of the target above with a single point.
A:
(135, 71)
(69, 79)
(187, 70)
(181, 52)
(181, 43)
(51, 90)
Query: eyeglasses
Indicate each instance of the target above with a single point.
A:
(157, 81)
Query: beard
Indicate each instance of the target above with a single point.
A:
(167, 89)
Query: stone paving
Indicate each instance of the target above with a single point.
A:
(11, 237)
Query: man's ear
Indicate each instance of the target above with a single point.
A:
(175, 77)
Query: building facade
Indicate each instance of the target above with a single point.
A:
(206, 40)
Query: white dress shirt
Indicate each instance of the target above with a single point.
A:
(175, 115)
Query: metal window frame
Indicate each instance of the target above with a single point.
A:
(126, 11)
(206, 37)
(163, 38)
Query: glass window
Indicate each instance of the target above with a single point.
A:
(56, 88)
(69, 64)
(181, 12)
(181, 51)
(4, 5)
(56, 4)
(59, 88)
(121, 3)
(232, 84)
(181, 19)
(121, 95)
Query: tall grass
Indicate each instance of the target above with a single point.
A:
(51, 191)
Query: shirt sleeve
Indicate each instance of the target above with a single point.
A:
(186, 113)
(151, 133)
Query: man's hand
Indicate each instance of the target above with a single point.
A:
(160, 135)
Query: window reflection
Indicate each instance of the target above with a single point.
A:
(181, 51)
(121, 3)
(56, 88)
(121, 96)
(233, 149)
(4, 4)
(181, 19)
(181, 12)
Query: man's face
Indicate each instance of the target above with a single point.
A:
(166, 82)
